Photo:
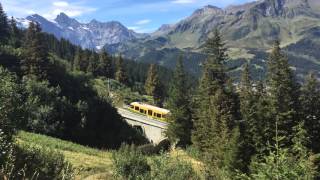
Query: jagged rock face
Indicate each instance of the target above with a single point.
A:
(93, 35)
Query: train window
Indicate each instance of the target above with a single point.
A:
(137, 108)
(159, 115)
(150, 112)
(132, 107)
(164, 116)
(141, 110)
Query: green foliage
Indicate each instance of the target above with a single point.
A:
(283, 93)
(40, 163)
(121, 74)
(286, 163)
(15, 34)
(4, 27)
(253, 113)
(165, 167)
(214, 134)
(44, 108)
(35, 60)
(10, 115)
(310, 103)
(153, 86)
(130, 164)
(105, 67)
(180, 126)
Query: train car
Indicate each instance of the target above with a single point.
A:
(150, 111)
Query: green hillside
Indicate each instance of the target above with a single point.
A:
(87, 161)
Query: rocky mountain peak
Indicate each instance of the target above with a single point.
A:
(64, 20)
(209, 9)
(284, 8)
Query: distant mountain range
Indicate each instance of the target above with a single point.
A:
(249, 31)
(92, 35)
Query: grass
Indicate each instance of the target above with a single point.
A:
(89, 163)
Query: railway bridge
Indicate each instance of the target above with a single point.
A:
(153, 129)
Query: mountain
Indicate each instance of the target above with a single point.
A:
(249, 31)
(92, 35)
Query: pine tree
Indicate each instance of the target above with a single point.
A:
(214, 125)
(283, 93)
(121, 74)
(35, 60)
(105, 65)
(180, 126)
(153, 86)
(16, 35)
(93, 64)
(310, 103)
(4, 27)
(77, 60)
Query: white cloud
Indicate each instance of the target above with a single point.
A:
(144, 21)
(184, 1)
(46, 8)
(60, 4)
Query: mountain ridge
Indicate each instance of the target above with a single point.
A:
(92, 35)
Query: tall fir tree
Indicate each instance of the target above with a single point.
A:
(310, 103)
(4, 27)
(214, 132)
(35, 60)
(121, 74)
(105, 65)
(77, 60)
(15, 34)
(180, 126)
(252, 108)
(283, 93)
(153, 86)
(93, 63)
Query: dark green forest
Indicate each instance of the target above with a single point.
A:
(267, 129)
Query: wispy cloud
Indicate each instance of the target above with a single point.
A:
(184, 1)
(47, 8)
(144, 21)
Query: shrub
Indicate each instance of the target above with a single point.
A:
(164, 167)
(40, 163)
(129, 163)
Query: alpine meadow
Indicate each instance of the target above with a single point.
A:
(142, 90)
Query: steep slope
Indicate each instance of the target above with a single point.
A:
(92, 35)
(249, 31)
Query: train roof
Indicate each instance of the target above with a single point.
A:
(150, 107)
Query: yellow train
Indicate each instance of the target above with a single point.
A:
(150, 111)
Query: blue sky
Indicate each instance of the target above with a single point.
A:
(139, 15)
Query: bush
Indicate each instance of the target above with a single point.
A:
(130, 163)
(40, 163)
(150, 149)
(164, 167)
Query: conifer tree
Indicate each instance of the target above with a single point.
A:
(4, 26)
(105, 65)
(310, 103)
(214, 126)
(121, 74)
(35, 60)
(153, 86)
(15, 34)
(77, 60)
(180, 126)
(93, 64)
(283, 93)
